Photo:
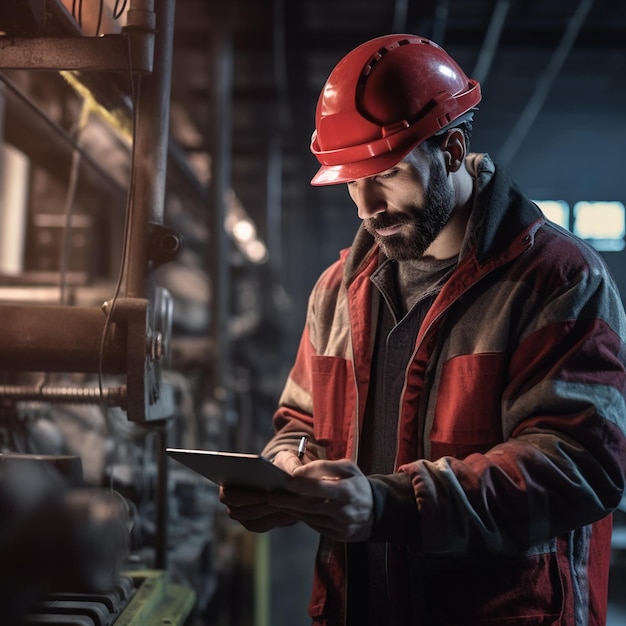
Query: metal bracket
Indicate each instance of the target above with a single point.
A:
(148, 331)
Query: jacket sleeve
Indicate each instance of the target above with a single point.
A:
(294, 415)
(562, 462)
(318, 399)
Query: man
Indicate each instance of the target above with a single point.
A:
(460, 378)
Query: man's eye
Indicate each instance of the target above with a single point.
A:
(375, 177)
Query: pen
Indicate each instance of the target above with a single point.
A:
(302, 447)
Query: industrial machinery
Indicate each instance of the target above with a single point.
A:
(87, 404)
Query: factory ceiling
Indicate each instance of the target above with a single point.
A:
(246, 75)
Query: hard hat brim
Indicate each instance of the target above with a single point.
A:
(346, 172)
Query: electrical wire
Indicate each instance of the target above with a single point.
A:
(99, 22)
(77, 14)
(124, 260)
(117, 11)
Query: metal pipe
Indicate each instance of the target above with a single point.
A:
(440, 21)
(400, 12)
(147, 190)
(161, 499)
(274, 199)
(57, 339)
(221, 125)
(281, 124)
(14, 171)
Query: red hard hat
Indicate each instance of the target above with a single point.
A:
(381, 100)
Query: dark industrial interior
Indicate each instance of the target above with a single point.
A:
(158, 242)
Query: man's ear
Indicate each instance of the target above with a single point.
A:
(453, 148)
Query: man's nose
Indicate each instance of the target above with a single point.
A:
(368, 199)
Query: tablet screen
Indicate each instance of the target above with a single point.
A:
(234, 469)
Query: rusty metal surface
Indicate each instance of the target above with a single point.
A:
(109, 53)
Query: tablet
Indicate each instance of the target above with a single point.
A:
(234, 469)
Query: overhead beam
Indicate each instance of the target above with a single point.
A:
(490, 42)
(544, 84)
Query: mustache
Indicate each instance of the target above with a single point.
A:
(384, 221)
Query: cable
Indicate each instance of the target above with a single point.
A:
(124, 260)
(99, 22)
(77, 14)
(117, 11)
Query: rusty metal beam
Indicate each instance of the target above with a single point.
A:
(109, 53)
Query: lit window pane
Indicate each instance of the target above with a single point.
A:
(602, 223)
(556, 211)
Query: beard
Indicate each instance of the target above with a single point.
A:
(421, 225)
